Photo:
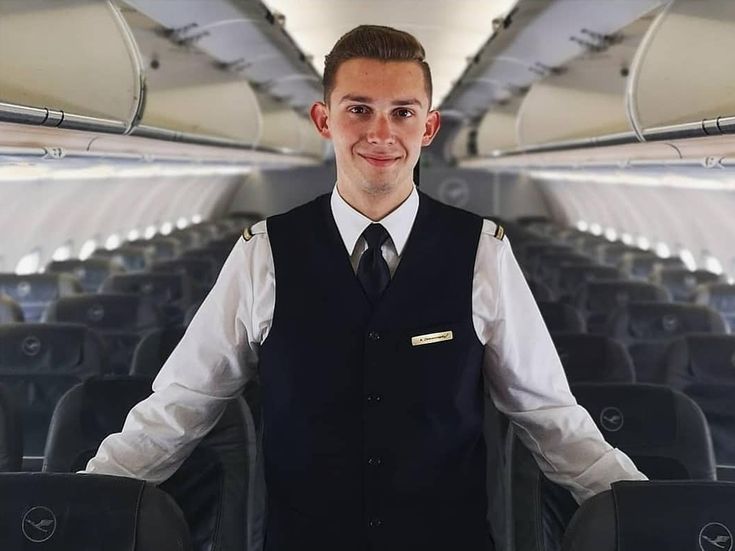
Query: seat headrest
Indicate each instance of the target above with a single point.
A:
(154, 349)
(11, 433)
(70, 511)
(720, 296)
(10, 311)
(133, 258)
(654, 321)
(561, 317)
(91, 272)
(701, 359)
(160, 287)
(38, 287)
(603, 296)
(201, 270)
(688, 515)
(113, 311)
(59, 348)
(662, 429)
(593, 358)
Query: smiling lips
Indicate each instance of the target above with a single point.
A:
(379, 160)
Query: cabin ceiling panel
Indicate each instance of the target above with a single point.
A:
(451, 32)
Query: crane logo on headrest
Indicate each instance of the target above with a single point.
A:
(39, 524)
(31, 345)
(23, 289)
(611, 419)
(147, 288)
(670, 323)
(96, 312)
(715, 537)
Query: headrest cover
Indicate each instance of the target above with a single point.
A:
(675, 516)
(105, 311)
(37, 287)
(605, 295)
(66, 511)
(42, 347)
(107, 401)
(161, 287)
(664, 321)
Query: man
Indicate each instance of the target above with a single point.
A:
(378, 314)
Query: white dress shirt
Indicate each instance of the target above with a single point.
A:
(211, 364)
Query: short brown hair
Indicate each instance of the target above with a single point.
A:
(374, 42)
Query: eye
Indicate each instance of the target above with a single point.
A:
(403, 113)
(358, 109)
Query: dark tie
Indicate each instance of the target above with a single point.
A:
(372, 271)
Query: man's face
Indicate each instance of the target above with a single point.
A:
(378, 118)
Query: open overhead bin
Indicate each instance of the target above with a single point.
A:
(70, 64)
(497, 130)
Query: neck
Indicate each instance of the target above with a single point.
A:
(375, 206)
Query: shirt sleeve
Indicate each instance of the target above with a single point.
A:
(206, 370)
(527, 383)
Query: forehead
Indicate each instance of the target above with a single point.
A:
(379, 79)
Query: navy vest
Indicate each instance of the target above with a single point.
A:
(372, 442)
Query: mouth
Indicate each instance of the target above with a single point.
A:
(379, 160)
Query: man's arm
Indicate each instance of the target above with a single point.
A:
(527, 382)
(203, 373)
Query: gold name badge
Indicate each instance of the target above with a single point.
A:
(429, 338)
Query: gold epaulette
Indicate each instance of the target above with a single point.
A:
(247, 233)
(499, 232)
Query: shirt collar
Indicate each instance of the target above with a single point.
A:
(351, 223)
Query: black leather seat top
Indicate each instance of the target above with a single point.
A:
(593, 358)
(34, 292)
(70, 511)
(11, 433)
(562, 317)
(90, 272)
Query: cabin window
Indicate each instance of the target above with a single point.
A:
(181, 223)
(583, 226)
(627, 238)
(611, 234)
(196, 218)
(150, 231)
(30, 263)
(712, 264)
(113, 242)
(133, 235)
(63, 252)
(662, 250)
(644, 243)
(596, 229)
(688, 259)
(167, 228)
(87, 249)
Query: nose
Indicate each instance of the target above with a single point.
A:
(380, 131)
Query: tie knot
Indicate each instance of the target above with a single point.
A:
(375, 235)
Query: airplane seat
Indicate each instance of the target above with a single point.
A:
(34, 292)
(721, 297)
(660, 429)
(529, 253)
(119, 319)
(90, 272)
(170, 292)
(571, 276)
(682, 283)
(154, 349)
(597, 299)
(701, 358)
(11, 433)
(637, 515)
(549, 265)
(163, 247)
(216, 255)
(70, 511)
(611, 253)
(648, 328)
(638, 264)
(540, 291)
(202, 271)
(133, 258)
(561, 317)
(213, 485)
(38, 363)
(187, 238)
(593, 358)
(10, 311)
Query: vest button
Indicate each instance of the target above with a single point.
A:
(375, 522)
(374, 336)
(374, 398)
(374, 461)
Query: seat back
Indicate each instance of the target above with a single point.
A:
(683, 283)
(163, 248)
(133, 258)
(201, 270)
(90, 272)
(593, 358)
(549, 265)
(212, 486)
(11, 433)
(119, 319)
(68, 511)
(572, 276)
(34, 292)
(154, 349)
(721, 297)
(561, 317)
(701, 358)
(171, 292)
(648, 328)
(663, 432)
(10, 311)
(38, 363)
(676, 516)
(597, 299)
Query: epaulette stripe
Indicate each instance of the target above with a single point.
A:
(247, 234)
(499, 232)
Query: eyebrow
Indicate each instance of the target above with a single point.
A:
(365, 99)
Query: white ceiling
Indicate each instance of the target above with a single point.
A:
(450, 31)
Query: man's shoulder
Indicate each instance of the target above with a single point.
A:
(493, 229)
(488, 227)
(254, 230)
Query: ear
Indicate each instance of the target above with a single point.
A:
(320, 117)
(433, 123)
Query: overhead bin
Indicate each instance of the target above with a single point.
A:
(586, 99)
(284, 130)
(683, 71)
(497, 130)
(70, 64)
